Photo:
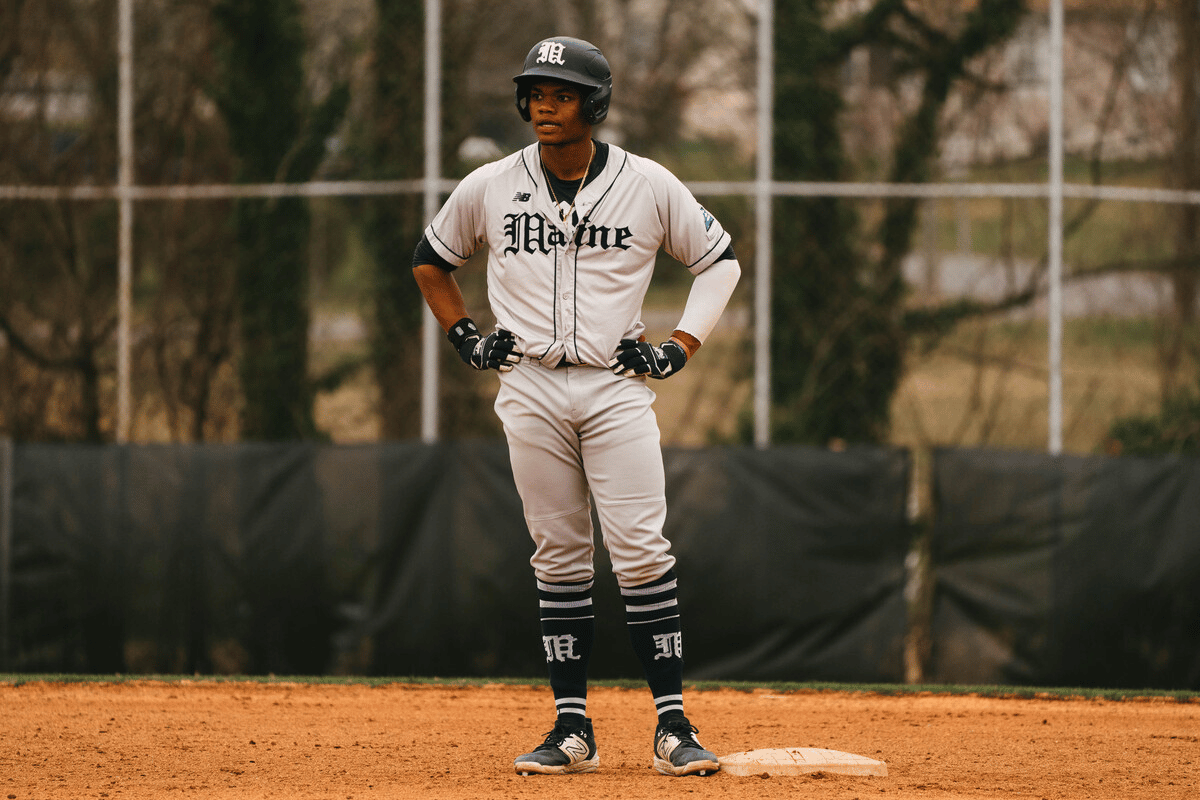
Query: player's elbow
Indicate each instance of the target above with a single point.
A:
(433, 271)
(727, 271)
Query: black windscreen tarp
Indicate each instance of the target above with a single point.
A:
(1066, 570)
(412, 559)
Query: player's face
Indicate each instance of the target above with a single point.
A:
(555, 109)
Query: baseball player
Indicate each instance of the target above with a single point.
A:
(572, 227)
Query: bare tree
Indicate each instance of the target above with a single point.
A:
(1184, 173)
(661, 53)
(57, 259)
(184, 248)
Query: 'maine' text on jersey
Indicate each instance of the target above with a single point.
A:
(533, 233)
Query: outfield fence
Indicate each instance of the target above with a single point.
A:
(433, 187)
(407, 558)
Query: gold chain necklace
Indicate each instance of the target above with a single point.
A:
(566, 215)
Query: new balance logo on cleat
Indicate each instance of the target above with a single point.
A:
(567, 749)
(676, 751)
(522, 197)
(576, 748)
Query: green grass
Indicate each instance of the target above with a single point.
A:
(987, 386)
(981, 690)
(984, 386)
(1113, 232)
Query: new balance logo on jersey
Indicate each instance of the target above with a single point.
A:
(533, 233)
(522, 197)
(560, 648)
(669, 645)
(551, 53)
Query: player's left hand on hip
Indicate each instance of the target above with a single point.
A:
(642, 358)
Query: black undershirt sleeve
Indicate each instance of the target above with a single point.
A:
(425, 254)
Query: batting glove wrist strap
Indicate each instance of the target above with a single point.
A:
(642, 358)
(461, 331)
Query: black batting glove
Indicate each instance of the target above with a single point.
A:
(497, 350)
(642, 358)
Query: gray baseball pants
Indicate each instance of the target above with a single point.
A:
(580, 429)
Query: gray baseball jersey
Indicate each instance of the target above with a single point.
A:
(567, 290)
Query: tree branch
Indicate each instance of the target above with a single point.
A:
(25, 348)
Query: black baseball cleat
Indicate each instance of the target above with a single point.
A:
(568, 748)
(676, 751)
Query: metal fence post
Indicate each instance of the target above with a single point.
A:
(1054, 300)
(763, 206)
(431, 332)
(125, 180)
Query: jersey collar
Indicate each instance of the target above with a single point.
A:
(592, 190)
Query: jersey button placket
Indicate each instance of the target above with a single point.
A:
(566, 288)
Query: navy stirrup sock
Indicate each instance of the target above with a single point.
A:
(568, 632)
(652, 616)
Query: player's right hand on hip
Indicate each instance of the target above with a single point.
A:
(498, 350)
(635, 358)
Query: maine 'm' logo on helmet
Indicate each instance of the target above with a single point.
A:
(571, 60)
(551, 53)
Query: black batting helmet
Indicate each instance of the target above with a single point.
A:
(574, 61)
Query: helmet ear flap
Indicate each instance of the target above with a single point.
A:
(523, 102)
(595, 105)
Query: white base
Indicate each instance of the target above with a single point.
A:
(800, 761)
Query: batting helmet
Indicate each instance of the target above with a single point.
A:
(574, 61)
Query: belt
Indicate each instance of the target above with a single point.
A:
(562, 362)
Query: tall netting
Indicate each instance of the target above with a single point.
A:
(947, 244)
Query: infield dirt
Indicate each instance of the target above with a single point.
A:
(150, 739)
